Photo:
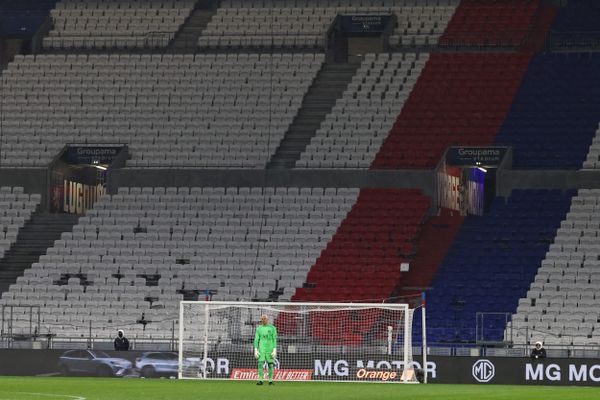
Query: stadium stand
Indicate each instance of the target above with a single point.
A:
(233, 98)
(16, 208)
(304, 24)
(491, 264)
(363, 259)
(576, 24)
(242, 104)
(110, 24)
(239, 243)
(361, 263)
(24, 17)
(504, 23)
(556, 96)
(561, 305)
(459, 99)
(354, 130)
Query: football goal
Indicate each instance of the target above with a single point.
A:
(303, 341)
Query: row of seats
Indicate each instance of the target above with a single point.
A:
(238, 243)
(23, 18)
(459, 99)
(16, 208)
(212, 111)
(108, 24)
(555, 97)
(561, 303)
(490, 265)
(273, 23)
(353, 132)
(503, 23)
(362, 263)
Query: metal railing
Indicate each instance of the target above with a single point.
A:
(109, 41)
(588, 40)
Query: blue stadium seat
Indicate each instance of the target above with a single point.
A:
(491, 264)
(24, 17)
(554, 117)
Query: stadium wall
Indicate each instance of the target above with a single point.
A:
(423, 179)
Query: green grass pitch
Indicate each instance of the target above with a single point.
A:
(162, 389)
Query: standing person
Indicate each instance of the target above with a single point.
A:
(121, 342)
(538, 352)
(265, 347)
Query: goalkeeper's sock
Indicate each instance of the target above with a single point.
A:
(261, 373)
(271, 372)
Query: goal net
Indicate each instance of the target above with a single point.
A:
(315, 341)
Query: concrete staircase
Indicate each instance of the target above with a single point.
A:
(328, 86)
(436, 239)
(186, 40)
(34, 239)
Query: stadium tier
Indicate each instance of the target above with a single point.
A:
(24, 17)
(245, 243)
(576, 24)
(16, 208)
(557, 95)
(267, 86)
(110, 24)
(491, 264)
(172, 110)
(561, 305)
(495, 23)
(459, 99)
(304, 24)
(362, 261)
(353, 132)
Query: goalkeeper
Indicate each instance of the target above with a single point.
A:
(265, 347)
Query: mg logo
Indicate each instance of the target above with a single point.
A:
(483, 371)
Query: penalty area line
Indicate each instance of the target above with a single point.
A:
(64, 396)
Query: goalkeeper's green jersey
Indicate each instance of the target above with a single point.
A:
(265, 339)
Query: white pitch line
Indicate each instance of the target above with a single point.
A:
(53, 395)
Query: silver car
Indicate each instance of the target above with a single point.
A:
(92, 362)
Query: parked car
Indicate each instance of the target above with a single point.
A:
(153, 364)
(92, 362)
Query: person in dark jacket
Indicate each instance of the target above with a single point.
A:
(538, 352)
(121, 342)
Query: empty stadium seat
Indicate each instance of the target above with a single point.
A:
(553, 117)
(16, 208)
(217, 110)
(459, 99)
(304, 24)
(576, 24)
(491, 264)
(116, 24)
(239, 243)
(353, 132)
(491, 23)
(561, 306)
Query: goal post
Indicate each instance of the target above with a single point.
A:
(346, 342)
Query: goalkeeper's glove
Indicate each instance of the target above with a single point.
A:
(256, 353)
(274, 353)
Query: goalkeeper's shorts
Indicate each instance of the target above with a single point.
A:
(265, 357)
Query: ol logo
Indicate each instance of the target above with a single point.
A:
(483, 371)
